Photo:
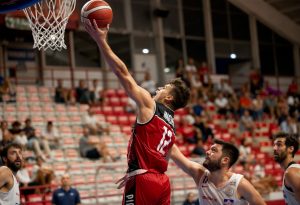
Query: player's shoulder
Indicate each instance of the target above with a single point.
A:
(5, 172)
(292, 173)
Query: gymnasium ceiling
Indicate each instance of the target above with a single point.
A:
(289, 8)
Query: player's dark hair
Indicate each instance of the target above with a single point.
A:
(291, 140)
(229, 150)
(5, 149)
(180, 92)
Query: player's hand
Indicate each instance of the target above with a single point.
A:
(96, 33)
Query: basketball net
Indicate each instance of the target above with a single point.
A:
(48, 20)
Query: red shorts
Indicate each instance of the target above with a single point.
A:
(147, 189)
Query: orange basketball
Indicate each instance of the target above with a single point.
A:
(98, 10)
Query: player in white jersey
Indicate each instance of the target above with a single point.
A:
(285, 148)
(216, 184)
(12, 158)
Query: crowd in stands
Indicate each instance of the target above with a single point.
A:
(212, 106)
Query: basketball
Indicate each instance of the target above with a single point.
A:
(98, 10)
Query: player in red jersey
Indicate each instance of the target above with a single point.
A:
(153, 133)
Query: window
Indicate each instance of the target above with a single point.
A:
(120, 44)
(86, 50)
(173, 48)
(196, 50)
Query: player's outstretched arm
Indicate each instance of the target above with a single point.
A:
(249, 193)
(138, 94)
(193, 169)
(292, 178)
(4, 177)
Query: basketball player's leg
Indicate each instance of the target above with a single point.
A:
(149, 189)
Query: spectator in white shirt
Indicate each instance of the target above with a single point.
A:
(50, 133)
(93, 124)
(222, 104)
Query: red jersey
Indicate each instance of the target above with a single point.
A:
(150, 142)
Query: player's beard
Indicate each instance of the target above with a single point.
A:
(280, 157)
(15, 165)
(212, 166)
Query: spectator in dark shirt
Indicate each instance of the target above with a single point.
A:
(66, 195)
(83, 93)
(190, 199)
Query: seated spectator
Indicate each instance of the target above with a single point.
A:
(270, 104)
(203, 73)
(93, 124)
(5, 135)
(148, 83)
(245, 151)
(83, 93)
(66, 195)
(256, 82)
(245, 102)
(19, 135)
(41, 174)
(7, 91)
(293, 88)
(50, 133)
(61, 93)
(34, 142)
(199, 150)
(289, 125)
(198, 107)
(258, 107)
(225, 87)
(92, 148)
(96, 92)
(202, 125)
(191, 199)
(247, 123)
(222, 104)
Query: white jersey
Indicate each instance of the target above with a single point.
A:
(12, 197)
(226, 195)
(288, 195)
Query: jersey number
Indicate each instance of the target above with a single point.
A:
(164, 142)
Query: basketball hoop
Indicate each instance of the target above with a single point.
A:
(48, 20)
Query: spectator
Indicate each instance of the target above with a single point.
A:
(83, 93)
(258, 107)
(191, 199)
(66, 195)
(202, 125)
(19, 135)
(245, 102)
(289, 125)
(256, 82)
(247, 123)
(7, 91)
(222, 104)
(41, 175)
(5, 135)
(245, 151)
(92, 148)
(34, 142)
(96, 92)
(293, 88)
(93, 124)
(204, 74)
(190, 66)
(61, 93)
(180, 69)
(51, 135)
(225, 87)
(199, 150)
(148, 83)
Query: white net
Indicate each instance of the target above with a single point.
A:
(48, 20)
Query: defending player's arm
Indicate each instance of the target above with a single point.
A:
(4, 177)
(138, 94)
(193, 169)
(249, 193)
(292, 179)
